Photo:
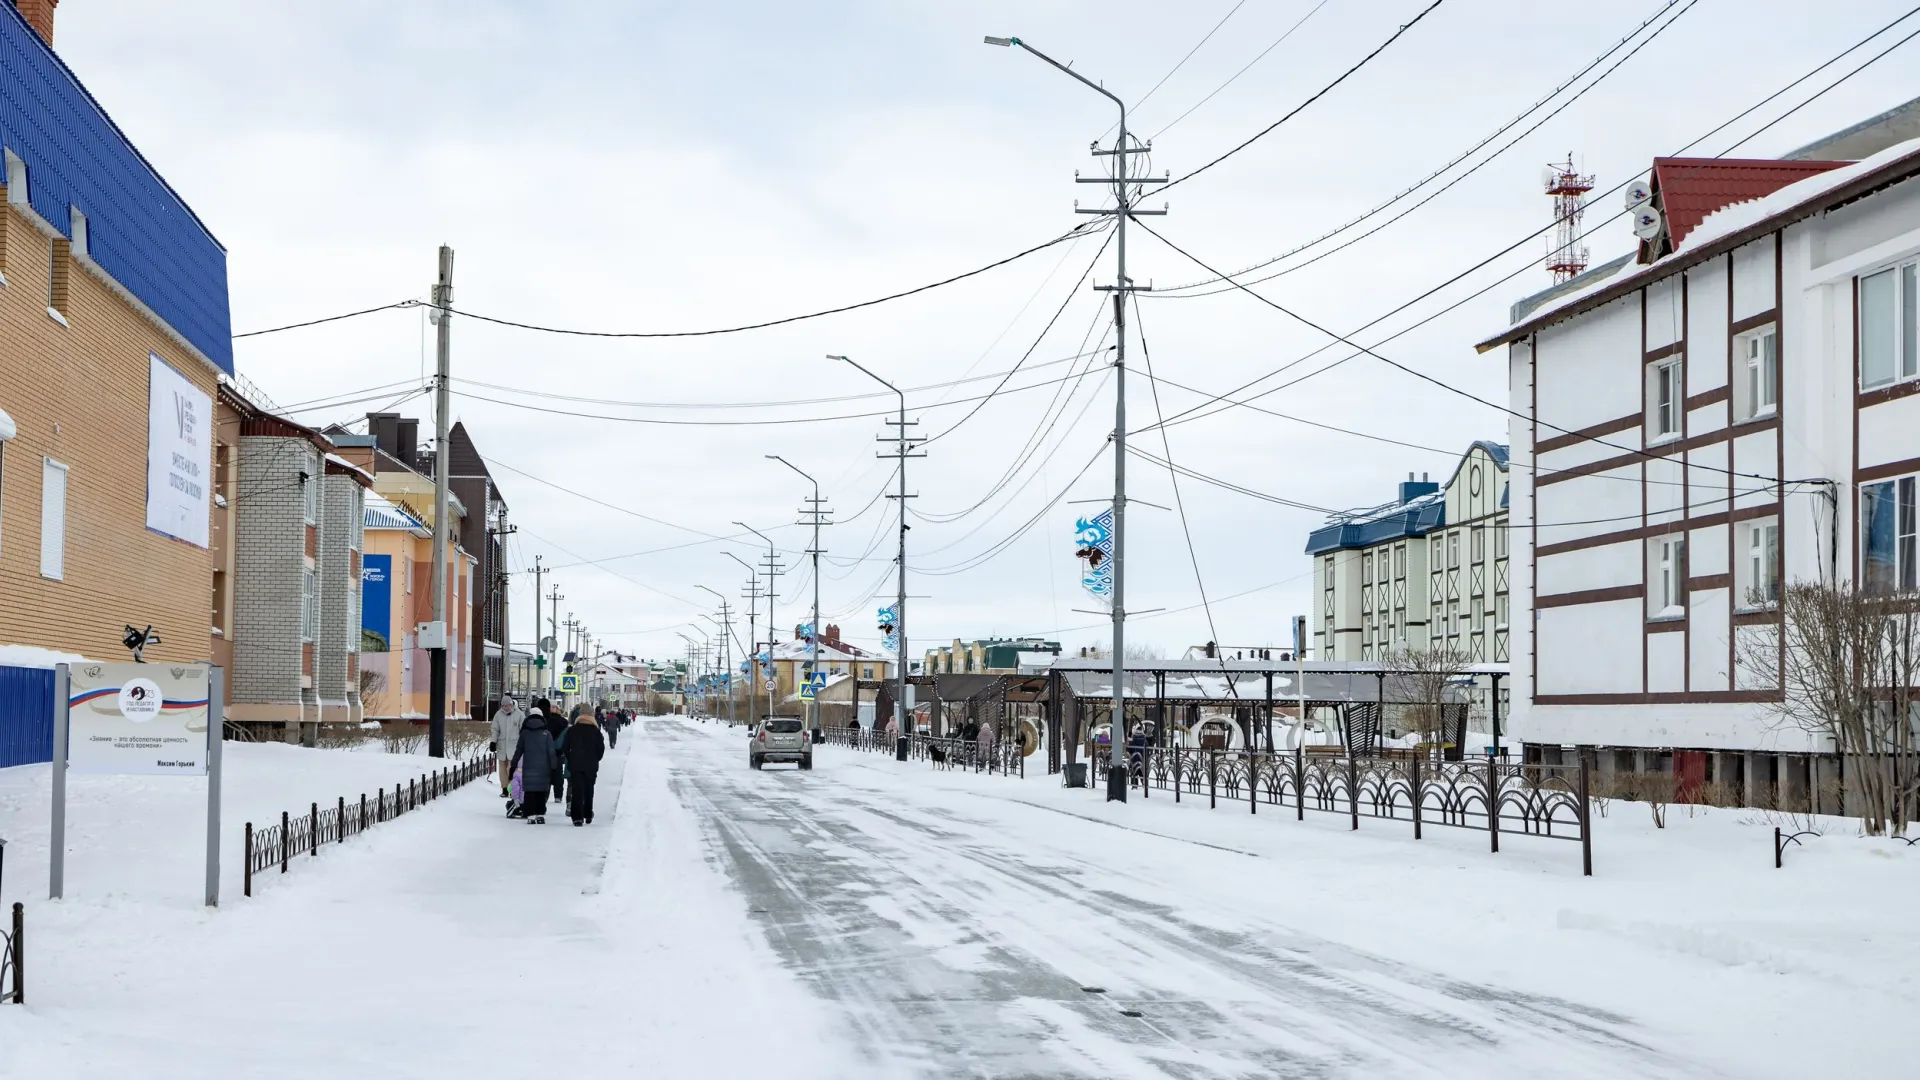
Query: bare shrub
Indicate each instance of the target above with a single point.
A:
(1427, 675)
(1653, 788)
(340, 736)
(403, 737)
(373, 692)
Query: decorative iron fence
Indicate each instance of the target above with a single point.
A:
(13, 967)
(1544, 801)
(303, 834)
(1002, 756)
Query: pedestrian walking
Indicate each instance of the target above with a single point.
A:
(557, 731)
(584, 749)
(986, 745)
(611, 726)
(503, 736)
(539, 765)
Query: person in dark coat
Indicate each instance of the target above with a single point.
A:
(611, 725)
(557, 730)
(584, 749)
(539, 764)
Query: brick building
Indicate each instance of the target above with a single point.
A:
(114, 331)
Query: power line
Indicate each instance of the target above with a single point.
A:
(329, 318)
(1302, 21)
(1168, 292)
(1142, 100)
(1318, 94)
(1074, 233)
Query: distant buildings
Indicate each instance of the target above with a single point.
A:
(989, 656)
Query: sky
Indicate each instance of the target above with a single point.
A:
(645, 167)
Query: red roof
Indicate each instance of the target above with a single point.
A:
(1688, 189)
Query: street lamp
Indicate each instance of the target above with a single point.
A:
(900, 603)
(814, 663)
(1123, 198)
(753, 615)
(770, 568)
(726, 663)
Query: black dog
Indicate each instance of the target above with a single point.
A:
(938, 755)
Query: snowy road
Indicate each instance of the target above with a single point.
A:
(955, 939)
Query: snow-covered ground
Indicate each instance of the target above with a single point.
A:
(878, 919)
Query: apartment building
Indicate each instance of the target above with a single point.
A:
(1426, 570)
(114, 332)
(1695, 415)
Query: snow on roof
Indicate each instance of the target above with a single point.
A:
(803, 650)
(1692, 189)
(336, 459)
(1799, 198)
(380, 512)
(33, 656)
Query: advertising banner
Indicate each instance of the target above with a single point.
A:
(1094, 536)
(376, 603)
(138, 719)
(179, 454)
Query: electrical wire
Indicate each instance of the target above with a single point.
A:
(1143, 98)
(1173, 292)
(1074, 233)
(1236, 75)
(1317, 95)
(999, 546)
(328, 319)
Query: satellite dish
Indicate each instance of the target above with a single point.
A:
(1549, 176)
(1646, 223)
(1638, 194)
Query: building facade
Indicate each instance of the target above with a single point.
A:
(1694, 419)
(989, 656)
(1427, 570)
(114, 333)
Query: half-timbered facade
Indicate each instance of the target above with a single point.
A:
(1692, 420)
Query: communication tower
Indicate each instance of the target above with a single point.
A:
(1568, 188)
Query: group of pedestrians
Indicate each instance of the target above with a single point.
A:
(541, 750)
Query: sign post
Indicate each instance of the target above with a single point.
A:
(141, 720)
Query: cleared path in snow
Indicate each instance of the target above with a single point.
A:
(954, 933)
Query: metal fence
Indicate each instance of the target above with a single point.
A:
(304, 834)
(26, 715)
(1543, 801)
(13, 967)
(942, 752)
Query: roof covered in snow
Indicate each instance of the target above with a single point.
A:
(1726, 229)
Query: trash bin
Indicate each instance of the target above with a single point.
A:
(1077, 775)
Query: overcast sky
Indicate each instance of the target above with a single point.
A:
(621, 165)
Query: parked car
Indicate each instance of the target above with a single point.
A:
(780, 738)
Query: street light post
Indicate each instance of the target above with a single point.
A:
(773, 568)
(813, 664)
(1123, 209)
(902, 452)
(726, 650)
(753, 614)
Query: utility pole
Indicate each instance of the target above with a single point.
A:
(1126, 191)
(442, 462)
(553, 631)
(539, 670)
(903, 450)
(816, 516)
(752, 597)
(501, 583)
(772, 569)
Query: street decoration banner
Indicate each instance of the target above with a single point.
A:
(137, 719)
(376, 603)
(1094, 537)
(179, 454)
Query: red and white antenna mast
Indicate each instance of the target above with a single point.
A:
(1567, 258)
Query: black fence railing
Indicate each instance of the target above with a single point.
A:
(943, 752)
(1543, 801)
(304, 834)
(13, 965)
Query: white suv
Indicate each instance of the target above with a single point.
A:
(780, 738)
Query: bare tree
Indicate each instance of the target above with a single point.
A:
(1426, 677)
(373, 692)
(1850, 663)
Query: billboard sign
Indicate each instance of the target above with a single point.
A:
(137, 719)
(179, 454)
(376, 603)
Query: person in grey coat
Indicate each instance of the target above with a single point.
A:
(505, 734)
(539, 763)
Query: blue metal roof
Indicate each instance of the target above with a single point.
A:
(138, 229)
(1408, 517)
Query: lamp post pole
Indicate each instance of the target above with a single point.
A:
(773, 568)
(1123, 194)
(902, 451)
(813, 663)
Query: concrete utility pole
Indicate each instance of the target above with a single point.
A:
(903, 450)
(772, 569)
(1126, 190)
(442, 462)
(502, 582)
(815, 513)
(553, 631)
(752, 598)
(539, 670)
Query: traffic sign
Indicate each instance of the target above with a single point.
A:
(547, 643)
(569, 683)
(770, 686)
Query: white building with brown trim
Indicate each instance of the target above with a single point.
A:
(1694, 417)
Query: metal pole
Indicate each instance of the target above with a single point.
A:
(216, 736)
(553, 631)
(57, 848)
(813, 511)
(442, 461)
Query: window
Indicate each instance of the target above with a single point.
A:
(1887, 536)
(1667, 597)
(1366, 566)
(1664, 396)
(1500, 612)
(1400, 560)
(1453, 551)
(309, 606)
(219, 601)
(1500, 540)
(1479, 544)
(1888, 310)
(1759, 571)
(310, 494)
(1436, 553)
(53, 519)
(1757, 377)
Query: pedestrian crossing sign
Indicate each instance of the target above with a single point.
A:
(814, 684)
(569, 683)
